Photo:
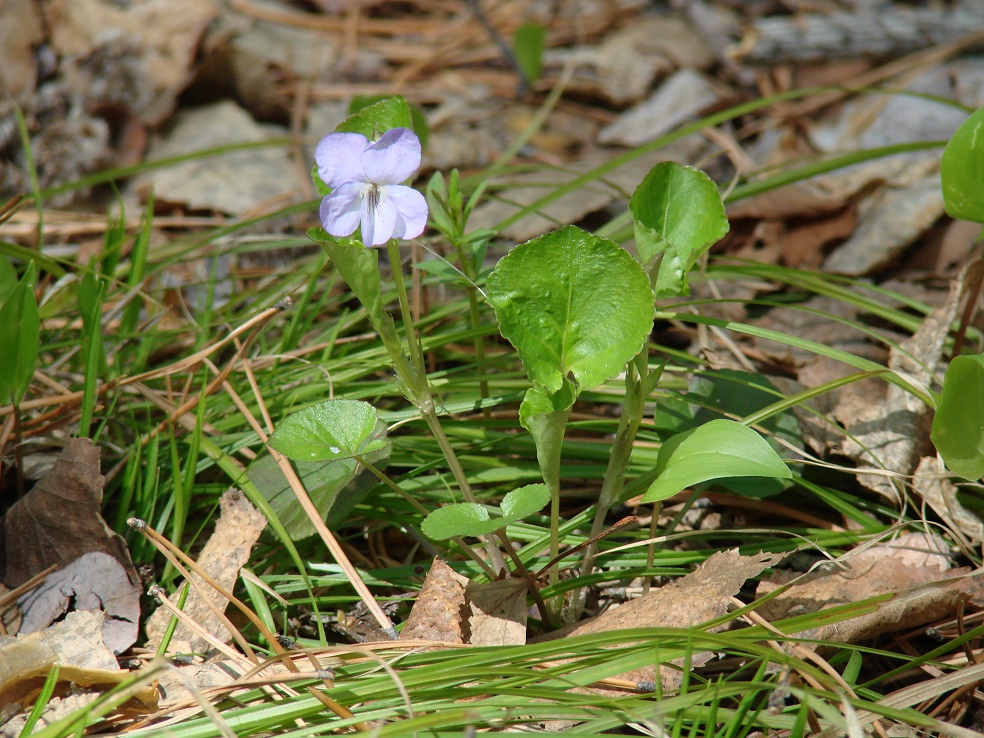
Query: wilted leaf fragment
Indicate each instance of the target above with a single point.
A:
(718, 449)
(498, 613)
(962, 170)
(677, 211)
(958, 429)
(472, 519)
(572, 304)
(334, 429)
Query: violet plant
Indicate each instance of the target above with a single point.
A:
(578, 308)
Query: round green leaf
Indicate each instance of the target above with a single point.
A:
(678, 212)
(375, 119)
(472, 519)
(334, 487)
(572, 304)
(715, 450)
(958, 426)
(962, 171)
(334, 429)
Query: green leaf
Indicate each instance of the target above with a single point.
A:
(330, 430)
(417, 118)
(376, 119)
(721, 448)
(472, 519)
(335, 487)
(529, 42)
(573, 304)
(958, 430)
(358, 266)
(962, 170)
(677, 212)
(319, 184)
(20, 332)
(545, 416)
(719, 393)
(8, 278)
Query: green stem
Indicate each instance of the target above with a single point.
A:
(396, 267)
(636, 378)
(425, 400)
(425, 512)
(468, 268)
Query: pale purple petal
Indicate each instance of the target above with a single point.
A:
(378, 222)
(340, 211)
(411, 208)
(339, 157)
(393, 158)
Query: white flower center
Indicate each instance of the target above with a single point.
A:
(372, 197)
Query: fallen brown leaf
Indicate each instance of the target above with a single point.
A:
(498, 613)
(439, 609)
(58, 522)
(696, 598)
(225, 553)
(916, 566)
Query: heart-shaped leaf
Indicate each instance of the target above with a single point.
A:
(678, 212)
(331, 430)
(335, 487)
(957, 431)
(472, 519)
(962, 170)
(718, 449)
(573, 304)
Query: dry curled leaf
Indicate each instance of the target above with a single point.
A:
(58, 522)
(439, 609)
(223, 555)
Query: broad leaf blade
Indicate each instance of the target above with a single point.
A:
(335, 488)
(376, 119)
(718, 449)
(573, 304)
(328, 431)
(962, 170)
(471, 519)
(958, 432)
(678, 212)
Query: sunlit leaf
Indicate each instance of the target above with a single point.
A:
(962, 170)
(720, 448)
(330, 430)
(574, 305)
(677, 212)
(375, 119)
(472, 519)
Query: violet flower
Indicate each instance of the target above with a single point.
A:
(365, 179)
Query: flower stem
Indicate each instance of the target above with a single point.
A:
(425, 512)
(425, 400)
(469, 270)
